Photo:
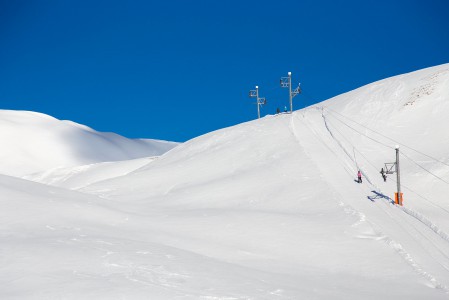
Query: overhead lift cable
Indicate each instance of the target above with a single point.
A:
(406, 156)
(374, 140)
(436, 176)
(408, 188)
(408, 147)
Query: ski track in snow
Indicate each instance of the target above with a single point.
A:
(381, 236)
(408, 211)
(192, 228)
(424, 220)
(418, 216)
(394, 244)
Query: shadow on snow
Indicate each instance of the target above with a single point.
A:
(378, 195)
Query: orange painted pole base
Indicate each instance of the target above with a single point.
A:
(398, 200)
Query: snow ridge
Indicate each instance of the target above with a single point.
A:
(380, 235)
(434, 227)
(35, 142)
(268, 209)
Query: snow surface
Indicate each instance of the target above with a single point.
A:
(268, 209)
(77, 177)
(34, 142)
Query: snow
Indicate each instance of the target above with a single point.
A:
(81, 176)
(34, 142)
(267, 209)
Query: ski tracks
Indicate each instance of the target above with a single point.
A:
(396, 246)
(414, 214)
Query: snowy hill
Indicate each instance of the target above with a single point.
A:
(82, 176)
(268, 209)
(34, 142)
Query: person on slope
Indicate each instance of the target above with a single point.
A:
(359, 177)
(384, 176)
(285, 109)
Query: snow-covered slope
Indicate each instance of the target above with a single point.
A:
(268, 209)
(34, 142)
(81, 176)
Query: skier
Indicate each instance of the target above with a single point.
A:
(384, 176)
(285, 109)
(278, 111)
(359, 177)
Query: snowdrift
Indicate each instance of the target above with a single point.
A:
(267, 209)
(81, 176)
(34, 142)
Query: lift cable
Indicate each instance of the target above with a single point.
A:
(408, 147)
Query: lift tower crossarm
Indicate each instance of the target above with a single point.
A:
(286, 82)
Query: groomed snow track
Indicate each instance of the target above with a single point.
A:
(383, 215)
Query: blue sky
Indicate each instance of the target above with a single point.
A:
(174, 70)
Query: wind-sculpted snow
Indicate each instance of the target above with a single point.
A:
(81, 176)
(34, 142)
(268, 209)
(427, 222)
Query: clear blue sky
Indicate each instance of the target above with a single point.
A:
(174, 70)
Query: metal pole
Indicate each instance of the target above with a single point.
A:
(257, 100)
(290, 90)
(398, 176)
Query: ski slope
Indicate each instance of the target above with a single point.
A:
(267, 209)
